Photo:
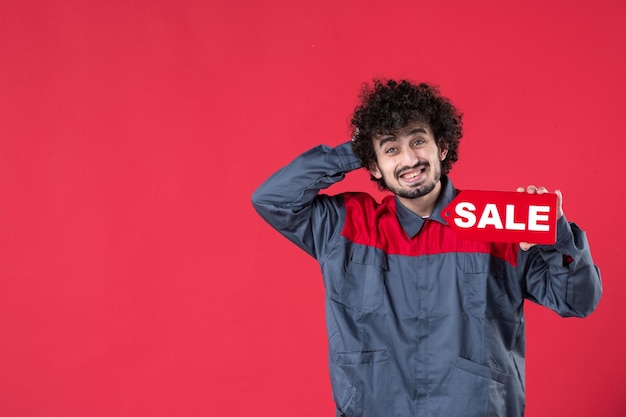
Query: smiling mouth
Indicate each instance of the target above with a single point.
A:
(412, 173)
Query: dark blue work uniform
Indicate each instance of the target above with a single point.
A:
(419, 321)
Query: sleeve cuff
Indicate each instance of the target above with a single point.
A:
(347, 157)
(564, 235)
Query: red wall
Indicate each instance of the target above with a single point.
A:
(135, 277)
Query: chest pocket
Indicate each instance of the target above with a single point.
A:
(363, 281)
(486, 294)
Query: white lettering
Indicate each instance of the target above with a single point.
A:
(510, 219)
(465, 210)
(534, 217)
(490, 217)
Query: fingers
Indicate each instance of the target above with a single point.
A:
(531, 189)
(559, 195)
(559, 203)
(525, 245)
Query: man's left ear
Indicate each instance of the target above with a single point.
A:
(443, 153)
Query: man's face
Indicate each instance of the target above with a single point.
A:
(408, 160)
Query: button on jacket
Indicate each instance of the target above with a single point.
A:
(421, 322)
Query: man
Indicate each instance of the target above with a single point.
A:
(420, 322)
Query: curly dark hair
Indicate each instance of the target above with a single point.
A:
(388, 105)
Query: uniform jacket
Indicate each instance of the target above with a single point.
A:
(419, 321)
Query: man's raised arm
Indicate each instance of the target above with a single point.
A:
(289, 199)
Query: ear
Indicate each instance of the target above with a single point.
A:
(373, 169)
(443, 152)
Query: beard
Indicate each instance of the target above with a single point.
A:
(419, 190)
(414, 192)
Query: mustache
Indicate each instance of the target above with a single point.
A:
(419, 165)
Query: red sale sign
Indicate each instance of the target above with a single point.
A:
(503, 216)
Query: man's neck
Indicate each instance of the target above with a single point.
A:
(423, 206)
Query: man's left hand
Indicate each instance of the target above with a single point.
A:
(531, 189)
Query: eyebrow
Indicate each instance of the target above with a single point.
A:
(417, 130)
(392, 138)
(386, 139)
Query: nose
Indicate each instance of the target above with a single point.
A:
(410, 157)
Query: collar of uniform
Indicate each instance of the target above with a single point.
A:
(412, 223)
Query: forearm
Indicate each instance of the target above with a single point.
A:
(287, 200)
(563, 276)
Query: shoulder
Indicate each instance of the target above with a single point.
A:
(366, 217)
(364, 202)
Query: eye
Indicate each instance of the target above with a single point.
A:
(418, 142)
(390, 150)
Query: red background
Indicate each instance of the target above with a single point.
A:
(135, 277)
